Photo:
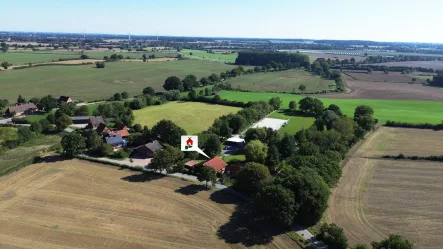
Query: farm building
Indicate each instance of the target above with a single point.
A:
(94, 122)
(21, 109)
(103, 128)
(149, 149)
(64, 99)
(115, 141)
(80, 119)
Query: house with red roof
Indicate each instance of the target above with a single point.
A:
(217, 164)
(123, 133)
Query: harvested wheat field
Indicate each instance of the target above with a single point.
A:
(396, 87)
(77, 204)
(377, 197)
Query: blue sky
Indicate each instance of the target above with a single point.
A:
(378, 20)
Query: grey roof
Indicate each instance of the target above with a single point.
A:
(114, 140)
(21, 108)
(154, 146)
(80, 118)
(95, 121)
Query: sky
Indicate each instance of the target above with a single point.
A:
(376, 20)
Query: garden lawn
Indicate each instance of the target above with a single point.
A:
(194, 117)
(395, 110)
(203, 55)
(88, 83)
(295, 123)
(282, 81)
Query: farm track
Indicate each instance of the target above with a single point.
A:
(77, 204)
(377, 197)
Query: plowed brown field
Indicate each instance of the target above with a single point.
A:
(76, 204)
(378, 197)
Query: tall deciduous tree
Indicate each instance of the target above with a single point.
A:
(251, 177)
(277, 203)
(168, 132)
(293, 105)
(393, 242)
(72, 144)
(256, 151)
(173, 83)
(207, 174)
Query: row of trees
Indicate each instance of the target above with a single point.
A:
(308, 162)
(263, 58)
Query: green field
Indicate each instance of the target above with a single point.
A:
(23, 155)
(194, 117)
(396, 110)
(86, 82)
(281, 81)
(203, 55)
(295, 123)
(21, 58)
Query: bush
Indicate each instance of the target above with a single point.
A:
(333, 236)
(100, 65)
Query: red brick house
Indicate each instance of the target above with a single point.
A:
(21, 109)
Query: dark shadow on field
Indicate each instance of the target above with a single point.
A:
(246, 227)
(142, 177)
(50, 159)
(191, 189)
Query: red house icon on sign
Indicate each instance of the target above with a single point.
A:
(189, 142)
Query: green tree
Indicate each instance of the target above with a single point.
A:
(192, 95)
(293, 105)
(125, 95)
(256, 151)
(149, 90)
(100, 64)
(302, 88)
(207, 92)
(5, 65)
(287, 146)
(214, 78)
(273, 158)
(73, 143)
(67, 108)
(333, 236)
(212, 145)
(207, 174)
(105, 150)
(189, 82)
(251, 178)
(138, 128)
(275, 102)
(393, 242)
(204, 81)
(277, 203)
(311, 106)
(93, 141)
(311, 193)
(166, 159)
(36, 127)
(3, 103)
(62, 122)
(20, 99)
(173, 83)
(117, 97)
(335, 109)
(168, 132)
(362, 110)
(47, 103)
(82, 111)
(144, 57)
(360, 246)
(84, 57)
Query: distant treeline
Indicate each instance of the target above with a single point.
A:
(438, 79)
(382, 68)
(263, 58)
(417, 126)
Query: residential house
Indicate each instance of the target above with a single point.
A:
(94, 122)
(103, 128)
(21, 109)
(149, 149)
(191, 164)
(121, 126)
(116, 141)
(123, 133)
(217, 164)
(64, 99)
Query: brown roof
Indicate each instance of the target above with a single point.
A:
(64, 99)
(216, 163)
(149, 147)
(21, 108)
(95, 121)
(102, 127)
(191, 163)
(232, 168)
(121, 126)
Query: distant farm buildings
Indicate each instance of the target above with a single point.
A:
(21, 109)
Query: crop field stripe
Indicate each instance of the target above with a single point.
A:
(412, 111)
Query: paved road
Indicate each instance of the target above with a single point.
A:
(298, 229)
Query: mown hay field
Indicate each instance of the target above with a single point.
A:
(203, 55)
(412, 111)
(86, 82)
(80, 205)
(377, 197)
(194, 117)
